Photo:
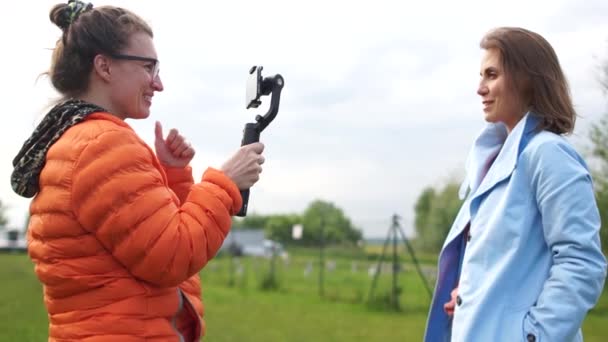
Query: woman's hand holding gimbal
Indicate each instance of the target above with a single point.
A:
(245, 166)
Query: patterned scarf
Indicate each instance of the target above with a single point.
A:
(31, 159)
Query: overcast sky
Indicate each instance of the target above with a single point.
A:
(379, 100)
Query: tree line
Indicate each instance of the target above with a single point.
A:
(322, 221)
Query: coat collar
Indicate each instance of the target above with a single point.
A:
(495, 141)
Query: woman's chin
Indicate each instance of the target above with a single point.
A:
(143, 113)
(489, 117)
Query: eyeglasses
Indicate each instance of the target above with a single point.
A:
(152, 69)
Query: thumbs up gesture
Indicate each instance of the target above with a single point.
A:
(174, 151)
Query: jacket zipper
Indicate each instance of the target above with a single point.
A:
(180, 307)
(193, 312)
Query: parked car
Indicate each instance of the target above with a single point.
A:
(251, 242)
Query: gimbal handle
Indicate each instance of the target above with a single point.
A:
(251, 133)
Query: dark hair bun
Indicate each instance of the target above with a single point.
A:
(60, 16)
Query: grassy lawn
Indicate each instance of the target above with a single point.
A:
(237, 309)
(261, 316)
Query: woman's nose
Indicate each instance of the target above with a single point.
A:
(157, 84)
(482, 90)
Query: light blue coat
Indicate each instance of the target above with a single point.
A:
(533, 264)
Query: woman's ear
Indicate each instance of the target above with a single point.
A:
(102, 67)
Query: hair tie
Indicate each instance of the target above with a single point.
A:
(77, 8)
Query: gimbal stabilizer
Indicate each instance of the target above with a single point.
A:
(257, 87)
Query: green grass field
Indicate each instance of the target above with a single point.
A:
(237, 309)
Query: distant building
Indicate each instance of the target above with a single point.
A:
(12, 239)
(251, 242)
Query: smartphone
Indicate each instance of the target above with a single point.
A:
(254, 83)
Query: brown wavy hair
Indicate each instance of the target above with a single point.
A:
(533, 69)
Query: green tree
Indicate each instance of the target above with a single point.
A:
(435, 211)
(251, 221)
(599, 150)
(3, 217)
(423, 209)
(278, 227)
(337, 228)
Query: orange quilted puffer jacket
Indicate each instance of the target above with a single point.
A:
(118, 240)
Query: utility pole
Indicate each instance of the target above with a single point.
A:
(321, 256)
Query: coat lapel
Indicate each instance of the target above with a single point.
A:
(493, 143)
(460, 223)
(485, 148)
(506, 159)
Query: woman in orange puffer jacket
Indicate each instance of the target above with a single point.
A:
(118, 233)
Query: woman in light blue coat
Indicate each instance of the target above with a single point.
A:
(522, 261)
